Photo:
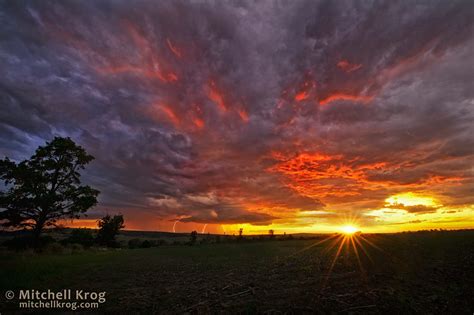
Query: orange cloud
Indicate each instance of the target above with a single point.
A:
(197, 118)
(304, 90)
(243, 115)
(216, 96)
(320, 175)
(198, 122)
(79, 223)
(170, 114)
(345, 97)
(149, 65)
(301, 96)
(160, 112)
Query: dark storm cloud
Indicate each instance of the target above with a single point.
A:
(188, 105)
(230, 217)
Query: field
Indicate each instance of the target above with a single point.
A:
(424, 272)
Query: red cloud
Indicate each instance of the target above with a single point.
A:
(216, 96)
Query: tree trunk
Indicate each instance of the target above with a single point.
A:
(37, 233)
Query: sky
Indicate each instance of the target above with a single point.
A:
(296, 116)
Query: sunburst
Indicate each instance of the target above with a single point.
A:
(349, 240)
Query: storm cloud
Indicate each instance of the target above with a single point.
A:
(246, 111)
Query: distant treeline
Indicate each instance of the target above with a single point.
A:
(67, 239)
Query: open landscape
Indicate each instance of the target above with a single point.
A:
(423, 272)
(237, 157)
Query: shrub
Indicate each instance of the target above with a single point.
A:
(25, 242)
(109, 227)
(83, 237)
(146, 244)
(75, 247)
(53, 248)
(134, 243)
(116, 244)
(193, 237)
(161, 243)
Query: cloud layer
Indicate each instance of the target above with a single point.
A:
(246, 112)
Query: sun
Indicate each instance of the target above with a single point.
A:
(349, 229)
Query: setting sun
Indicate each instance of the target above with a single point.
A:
(349, 229)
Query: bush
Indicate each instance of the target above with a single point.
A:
(116, 244)
(77, 247)
(134, 243)
(25, 242)
(146, 244)
(53, 248)
(161, 243)
(138, 243)
(109, 227)
(83, 237)
(193, 237)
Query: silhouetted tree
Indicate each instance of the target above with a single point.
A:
(193, 237)
(240, 237)
(271, 233)
(109, 227)
(46, 187)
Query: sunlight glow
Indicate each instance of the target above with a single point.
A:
(411, 199)
(349, 229)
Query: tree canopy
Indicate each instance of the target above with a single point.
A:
(109, 227)
(40, 190)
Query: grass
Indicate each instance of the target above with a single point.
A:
(409, 273)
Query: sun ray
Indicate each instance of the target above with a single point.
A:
(333, 243)
(361, 267)
(371, 244)
(363, 249)
(313, 245)
(333, 263)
